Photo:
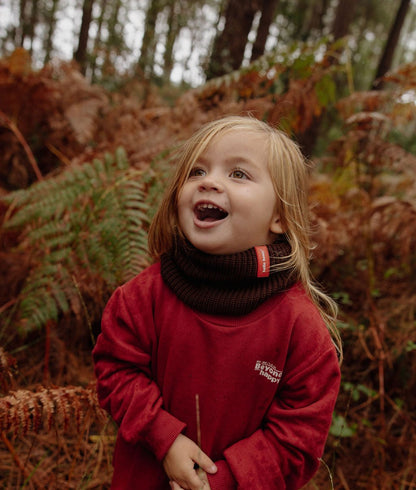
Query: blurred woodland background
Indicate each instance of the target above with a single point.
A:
(86, 147)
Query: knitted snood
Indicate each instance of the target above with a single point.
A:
(224, 284)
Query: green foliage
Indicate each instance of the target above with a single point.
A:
(356, 390)
(410, 346)
(340, 427)
(326, 90)
(405, 139)
(342, 297)
(83, 230)
(158, 178)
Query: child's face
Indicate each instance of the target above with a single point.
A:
(228, 204)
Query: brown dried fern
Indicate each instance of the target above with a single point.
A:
(66, 407)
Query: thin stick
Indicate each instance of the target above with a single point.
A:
(46, 372)
(16, 459)
(15, 130)
(8, 304)
(200, 472)
(329, 472)
(84, 307)
(198, 422)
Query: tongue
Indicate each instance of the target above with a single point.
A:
(210, 214)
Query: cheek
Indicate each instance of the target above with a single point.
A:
(183, 208)
(180, 215)
(181, 201)
(185, 192)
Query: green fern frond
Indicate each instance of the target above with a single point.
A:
(84, 231)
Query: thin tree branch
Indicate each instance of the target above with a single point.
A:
(15, 130)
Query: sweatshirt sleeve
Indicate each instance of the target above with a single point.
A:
(284, 453)
(125, 388)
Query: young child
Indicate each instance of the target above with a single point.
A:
(217, 361)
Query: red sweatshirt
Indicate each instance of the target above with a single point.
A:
(267, 384)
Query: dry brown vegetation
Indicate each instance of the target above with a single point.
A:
(54, 124)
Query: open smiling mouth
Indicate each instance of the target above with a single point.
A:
(210, 212)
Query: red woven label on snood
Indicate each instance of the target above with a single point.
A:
(263, 261)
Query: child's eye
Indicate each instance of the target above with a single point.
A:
(197, 172)
(239, 174)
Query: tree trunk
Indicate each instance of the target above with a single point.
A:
(343, 17)
(80, 55)
(174, 23)
(22, 31)
(229, 46)
(405, 37)
(268, 10)
(313, 20)
(98, 40)
(391, 44)
(34, 16)
(147, 52)
(51, 21)
(113, 43)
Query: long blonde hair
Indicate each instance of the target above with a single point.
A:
(289, 172)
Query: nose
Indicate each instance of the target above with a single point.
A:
(210, 183)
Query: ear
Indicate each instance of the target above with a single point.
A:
(276, 225)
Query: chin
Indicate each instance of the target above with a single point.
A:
(213, 249)
(217, 250)
(213, 246)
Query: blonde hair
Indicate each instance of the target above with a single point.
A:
(289, 172)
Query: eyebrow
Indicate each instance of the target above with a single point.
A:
(230, 160)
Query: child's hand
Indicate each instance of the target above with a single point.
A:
(202, 475)
(175, 486)
(179, 465)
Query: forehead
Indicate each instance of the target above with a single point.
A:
(237, 133)
(236, 142)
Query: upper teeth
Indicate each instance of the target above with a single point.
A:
(209, 206)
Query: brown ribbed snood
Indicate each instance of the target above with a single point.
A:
(224, 284)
